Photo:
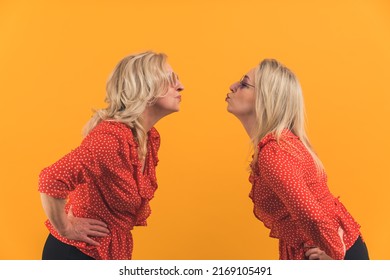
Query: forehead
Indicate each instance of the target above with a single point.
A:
(251, 74)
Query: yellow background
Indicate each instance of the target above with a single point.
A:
(55, 57)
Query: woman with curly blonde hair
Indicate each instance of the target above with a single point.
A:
(97, 193)
(289, 184)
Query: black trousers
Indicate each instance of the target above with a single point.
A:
(358, 251)
(57, 250)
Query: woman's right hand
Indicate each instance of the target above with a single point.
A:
(82, 229)
(69, 226)
(315, 253)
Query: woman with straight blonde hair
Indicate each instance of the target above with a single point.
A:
(289, 184)
(96, 194)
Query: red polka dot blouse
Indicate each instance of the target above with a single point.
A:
(103, 180)
(293, 200)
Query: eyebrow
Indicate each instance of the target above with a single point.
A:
(246, 77)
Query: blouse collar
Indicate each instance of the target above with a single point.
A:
(153, 134)
(286, 133)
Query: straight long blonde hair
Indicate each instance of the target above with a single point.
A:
(136, 82)
(279, 106)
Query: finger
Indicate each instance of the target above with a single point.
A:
(99, 229)
(90, 241)
(96, 222)
(311, 251)
(91, 232)
(97, 234)
(314, 257)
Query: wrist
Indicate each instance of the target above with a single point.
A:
(62, 225)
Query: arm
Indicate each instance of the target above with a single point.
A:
(55, 210)
(283, 173)
(315, 253)
(69, 226)
(55, 184)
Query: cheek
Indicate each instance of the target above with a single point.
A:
(252, 102)
(245, 104)
(246, 100)
(167, 102)
(162, 102)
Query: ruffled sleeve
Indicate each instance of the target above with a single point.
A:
(102, 151)
(59, 179)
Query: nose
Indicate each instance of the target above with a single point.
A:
(233, 87)
(179, 87)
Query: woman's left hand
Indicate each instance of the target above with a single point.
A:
(315, 253)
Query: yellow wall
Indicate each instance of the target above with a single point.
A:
(55, 57)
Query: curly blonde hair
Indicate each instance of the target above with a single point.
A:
(136, 82)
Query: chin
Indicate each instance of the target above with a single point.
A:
(234, 113)
(173, 110)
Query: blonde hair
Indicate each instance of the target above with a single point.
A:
(136, 82)
(279, 106)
